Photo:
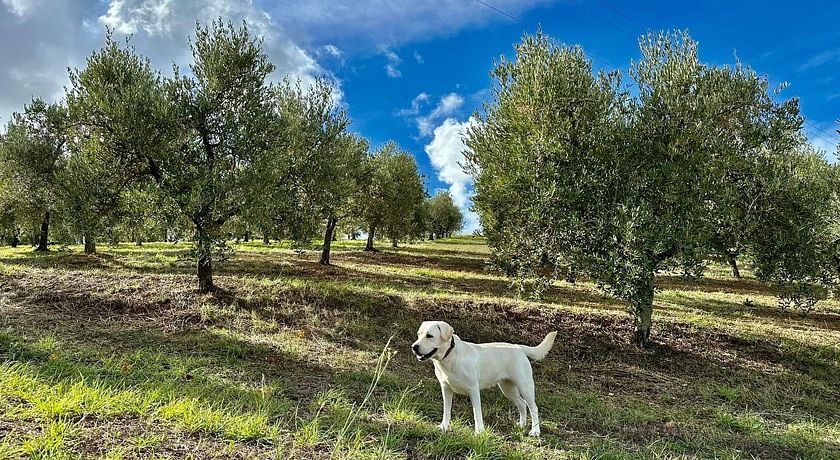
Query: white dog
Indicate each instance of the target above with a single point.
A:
(467, 368)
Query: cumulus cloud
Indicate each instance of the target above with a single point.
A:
(446, 107)
(418, 58)
(161, 28)
(446, 154)
(40, 39)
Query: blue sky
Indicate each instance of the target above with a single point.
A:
(414, 70)
(796, 42)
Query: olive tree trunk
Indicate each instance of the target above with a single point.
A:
(90, 244)
(44, 234)
(328, 238)
(204, 256)
(371, 233)
(733, 263)
(642, 310)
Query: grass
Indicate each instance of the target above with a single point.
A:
(117, 356)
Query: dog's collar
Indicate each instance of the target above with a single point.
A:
(451, 347)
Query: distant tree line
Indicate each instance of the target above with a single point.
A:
(580, 173)
(209, 155)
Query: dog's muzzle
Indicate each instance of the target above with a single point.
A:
(426, 356)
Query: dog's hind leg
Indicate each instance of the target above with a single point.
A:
(510, 391)
(526, 389)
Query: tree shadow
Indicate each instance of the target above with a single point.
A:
(160, 309)
(592, 353)
(744, 286)
(772, 315)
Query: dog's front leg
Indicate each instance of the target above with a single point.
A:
(475, 397)
(447, 407)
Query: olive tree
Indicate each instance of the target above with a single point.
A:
(444, 218)
(223, 122)
(339, 185)
(572, 172)
(90, 187)
(32, 154)
(10, 208)
(199, 136)
(316, 169)
(793, 236)
(391, 196)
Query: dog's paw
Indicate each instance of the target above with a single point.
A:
(535, 432)
(443, 427)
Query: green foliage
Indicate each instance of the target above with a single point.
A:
(572, 173)
(199, 137)
(393, 194)
(314, 171)
(32, 155)
(444, 218)
(32, 151)
(541, 157)
(793, 235)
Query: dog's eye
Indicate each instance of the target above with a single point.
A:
(428, 336)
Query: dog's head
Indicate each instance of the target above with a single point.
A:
(433, 340)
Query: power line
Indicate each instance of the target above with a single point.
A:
(504, 13)
(828, 132)
(618, 12)
(813, 136)
(603, 19)
(510, 16)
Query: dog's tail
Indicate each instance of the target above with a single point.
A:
(537, 353)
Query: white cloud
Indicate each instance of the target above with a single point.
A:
(40, 39)
(331, 50)
(20, 7)
(446, 154)
(416, 104)
(418, 58)
(392, 67)
(446, 107)
(366, 23)
(161, 29)
(825, 57)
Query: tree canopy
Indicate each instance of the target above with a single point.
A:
(574, 172)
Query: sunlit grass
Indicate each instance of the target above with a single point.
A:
(116, 356)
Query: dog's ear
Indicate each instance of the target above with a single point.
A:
(446, 331)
